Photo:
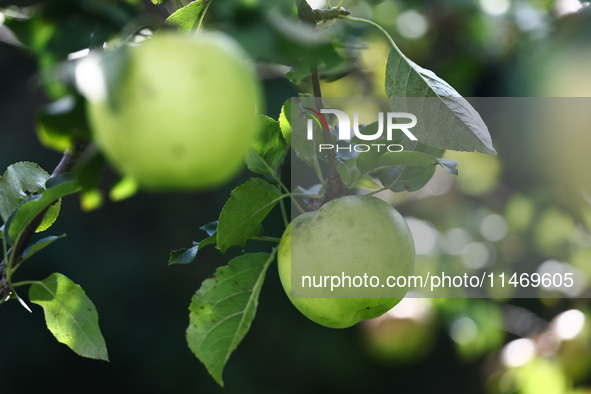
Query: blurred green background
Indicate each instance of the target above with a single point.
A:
(500, 210)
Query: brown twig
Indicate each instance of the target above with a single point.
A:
(334, 184)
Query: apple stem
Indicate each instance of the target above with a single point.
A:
(332, 158)
(335, 187)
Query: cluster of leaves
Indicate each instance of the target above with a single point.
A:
(223, 308)
(28, 192)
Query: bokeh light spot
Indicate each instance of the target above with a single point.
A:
(493, 227)
(424, 234)
(463, 330)
(412, 24)
(569, 324)
(518, 352)
(495, 7)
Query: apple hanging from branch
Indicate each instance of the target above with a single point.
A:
(350, 236)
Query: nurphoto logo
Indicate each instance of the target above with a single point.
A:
(345, 130)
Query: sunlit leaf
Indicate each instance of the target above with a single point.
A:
(285, 121)
(185, 18)
(70, 315)
(269, 147)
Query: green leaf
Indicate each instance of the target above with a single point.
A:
(223, 308)
(19, 182)
(242, 215)
(406, 178)
(50, 217)
(367, 182)
(295, 132)
(408, 170)
(297, 73)
(37, 246)
(186, 256)
(70, 315)
(367, 161)
(285, 121)
(269, 147)
(375, 162)
(61, 123)
(409, 177)
(448, 120)
(392, 159)
(57, 187)
(209, 240)
(184, 18)
(285, 118)
(210, 228)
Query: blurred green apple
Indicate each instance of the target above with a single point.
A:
(351, 236)
(176, 112)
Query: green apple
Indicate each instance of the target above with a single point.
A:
(350, 236)
(185, 109)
